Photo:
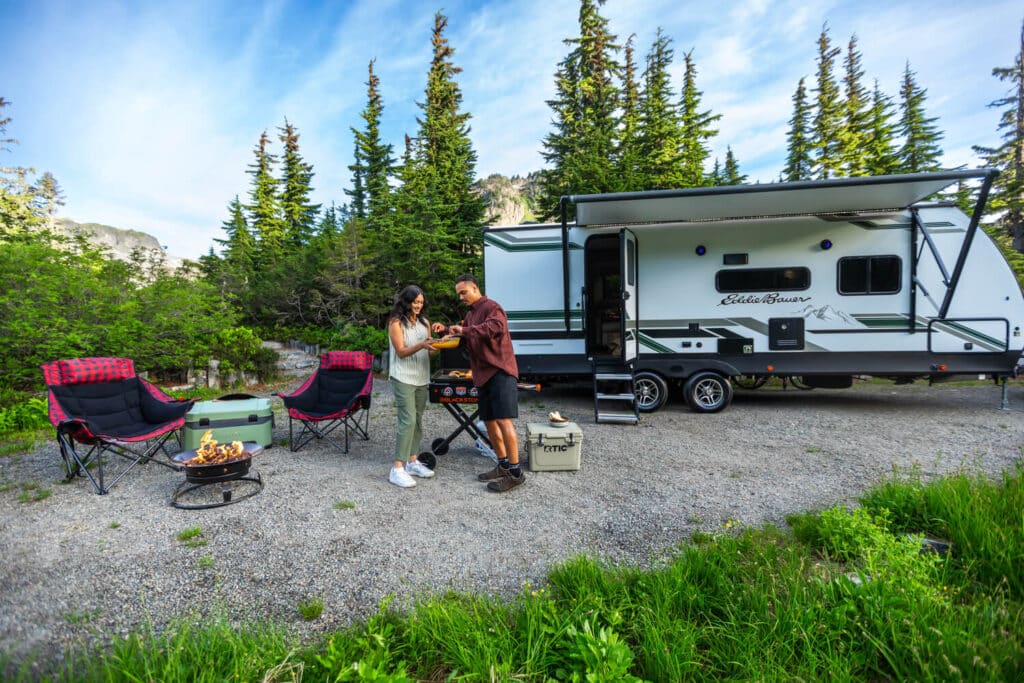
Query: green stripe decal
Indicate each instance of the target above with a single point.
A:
(550, 314)
(505, 243)
(653, 345)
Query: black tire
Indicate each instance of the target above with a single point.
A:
(438, 446)
(749, 382)
(428, 459)
(651, 391)
(708, 392)
(798, 382)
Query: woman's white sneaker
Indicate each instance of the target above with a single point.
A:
(418, 469)
(399, 477)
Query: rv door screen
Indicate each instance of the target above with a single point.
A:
(629, 316)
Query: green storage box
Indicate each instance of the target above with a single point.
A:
(248, 419)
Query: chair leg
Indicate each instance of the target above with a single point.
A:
(361, 430)
(77, 464)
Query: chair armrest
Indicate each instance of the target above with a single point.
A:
(161, 412)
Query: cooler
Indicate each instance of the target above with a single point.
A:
(553, 448)
(247, 419)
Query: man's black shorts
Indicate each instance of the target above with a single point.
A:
(499, 398)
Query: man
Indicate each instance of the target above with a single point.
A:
(495, 374)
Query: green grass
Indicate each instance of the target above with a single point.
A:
(311, 608)
(344, 505)
(845, 594)
(192, 537)
(20, 443)
(205, 562)
(31, 492)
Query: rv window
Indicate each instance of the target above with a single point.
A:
(869, 275)
(762, 279)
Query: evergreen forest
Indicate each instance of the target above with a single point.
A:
(287, 268)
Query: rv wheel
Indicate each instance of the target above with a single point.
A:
(651, 391)
(708, 392)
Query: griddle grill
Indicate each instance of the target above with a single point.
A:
(454, 393)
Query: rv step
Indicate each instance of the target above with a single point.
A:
(617, 397)
(614, 376)
(617, 417)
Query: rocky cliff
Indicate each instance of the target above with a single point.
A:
(119, 242)
(509, 200)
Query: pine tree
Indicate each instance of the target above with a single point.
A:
(716, 178)
(330, 224)
(374, 161)
(19, 201)
(661, 139)
(581, 150)
(854, 132)
(50, 197)
(447, 164)
(731, 175)
(370, 278)
(299, 215)
(631, 172)
(1007, 196)
(798, 152)
(263, 207)
(920, 150)
(696, 127)
(827, 125)
(5, 143)
(880, 146)
(232, 272)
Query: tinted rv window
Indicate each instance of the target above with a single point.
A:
(869, 275)
(762, 279)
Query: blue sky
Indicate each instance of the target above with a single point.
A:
(147, 112)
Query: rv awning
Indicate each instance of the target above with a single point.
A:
(839, 196)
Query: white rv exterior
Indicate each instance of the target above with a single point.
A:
(822, 280)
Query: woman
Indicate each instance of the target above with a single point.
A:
(409, 367)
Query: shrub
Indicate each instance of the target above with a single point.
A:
(28, 415)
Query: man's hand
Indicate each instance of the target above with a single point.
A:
(455, 330)
(438, 328)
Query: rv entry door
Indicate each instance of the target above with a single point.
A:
(628, 319)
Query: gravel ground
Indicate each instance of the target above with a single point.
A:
(77, 567)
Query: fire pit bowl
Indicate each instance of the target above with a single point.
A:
(233, 475)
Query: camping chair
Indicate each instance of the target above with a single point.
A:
(336, 396)
(101, 403)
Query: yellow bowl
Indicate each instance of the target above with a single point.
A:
(446, 344)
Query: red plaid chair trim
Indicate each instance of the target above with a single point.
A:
(88, 370)
(346, 360)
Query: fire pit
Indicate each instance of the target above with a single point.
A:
(214, 479)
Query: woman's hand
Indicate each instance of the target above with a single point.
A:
(438, 328)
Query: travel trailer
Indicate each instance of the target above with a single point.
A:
(819, 281)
